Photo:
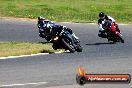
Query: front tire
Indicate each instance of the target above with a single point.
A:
(68, 47)
(120, 37)
(79, 48)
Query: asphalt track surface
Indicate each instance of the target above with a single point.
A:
(59, 70)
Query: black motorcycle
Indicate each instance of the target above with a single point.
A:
(65, 40)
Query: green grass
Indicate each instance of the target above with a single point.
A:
(68, 10)
(21, 48)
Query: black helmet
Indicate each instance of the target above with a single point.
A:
(41, 18)
(101, 14)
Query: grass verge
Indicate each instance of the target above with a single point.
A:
(68, 10)
(21, 48)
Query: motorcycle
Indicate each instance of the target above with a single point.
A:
(112, 34)
(65, 40)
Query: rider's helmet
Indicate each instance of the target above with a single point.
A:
(101, 15)
(40, 18)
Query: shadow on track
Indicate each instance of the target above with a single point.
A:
(100, 43)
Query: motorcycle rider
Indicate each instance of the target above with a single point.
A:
(42, 23)
(104, 19)
(59, 29)
(43, 26)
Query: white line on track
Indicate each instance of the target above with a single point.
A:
(28, 55)
(61, 51)
(24, 84)
(23, 56)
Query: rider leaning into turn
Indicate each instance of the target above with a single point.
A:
(103, 18)
(42, 22)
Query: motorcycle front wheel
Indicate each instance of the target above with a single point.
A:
(121, 38)
(79, 48)
(68, 46)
